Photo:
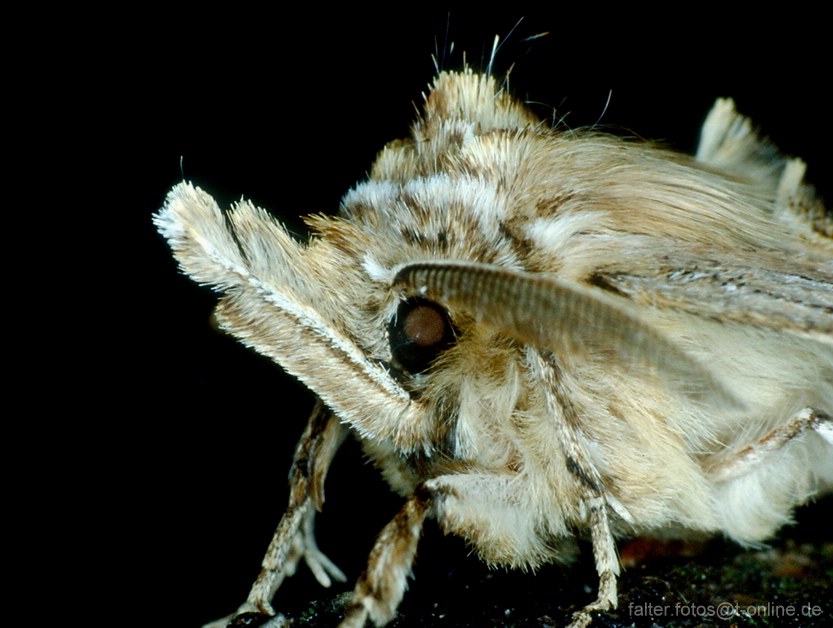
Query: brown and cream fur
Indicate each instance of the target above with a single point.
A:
(643, 340)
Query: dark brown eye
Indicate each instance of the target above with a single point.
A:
(420, 331)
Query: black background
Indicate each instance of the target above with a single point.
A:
(188, 436)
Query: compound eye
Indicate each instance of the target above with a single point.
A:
(418, 334)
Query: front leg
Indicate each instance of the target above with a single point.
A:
(381, 587)
(595, 498)
(294, 536)
(481, 506)
(492, 511)
(607, 564)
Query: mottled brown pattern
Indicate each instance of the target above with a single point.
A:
(642, 340)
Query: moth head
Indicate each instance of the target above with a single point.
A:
(411, 307)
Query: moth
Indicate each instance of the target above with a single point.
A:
(537, 335)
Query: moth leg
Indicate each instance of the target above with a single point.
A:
(381, 587)
(757, 488)
(595, 498)
(294, 536)
(595, 502)
(458, 502)
(607, 563)
(321, 567)
(753, 455)
(314, 454)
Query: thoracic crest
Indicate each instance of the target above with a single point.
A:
(533, 332)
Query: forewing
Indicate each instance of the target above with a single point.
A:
(780, 294)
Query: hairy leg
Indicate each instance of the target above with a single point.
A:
(753, 455)
(294, 537)
(380, 588)
(757, 488)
